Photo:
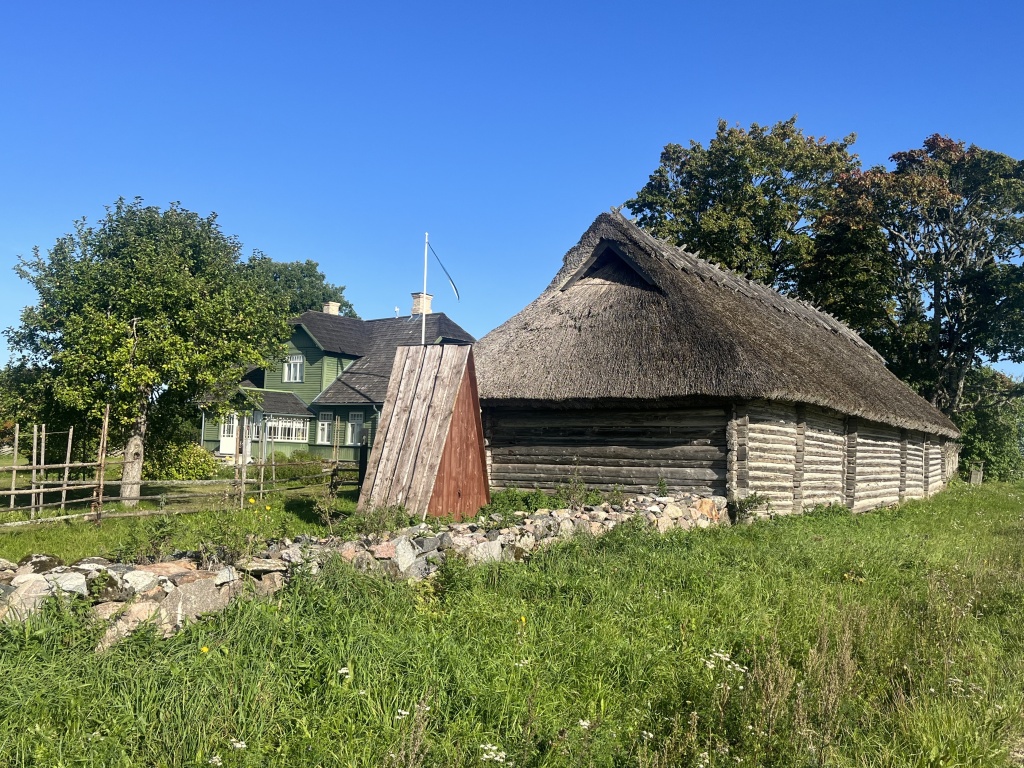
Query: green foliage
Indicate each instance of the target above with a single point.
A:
(993, 427)
(300, 464)
(882, 639)
(748, 200)
(301, 282)
(935, 247)
(178, 461)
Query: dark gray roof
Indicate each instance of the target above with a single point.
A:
(629, 318)
(366, 380)
(280, 403)
(335, 333)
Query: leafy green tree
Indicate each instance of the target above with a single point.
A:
(302, 282)
(937, 244)
(148, 309)
(749, 200)
(992, 424)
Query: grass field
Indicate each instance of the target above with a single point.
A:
(893, 638)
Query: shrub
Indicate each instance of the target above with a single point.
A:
(179, 462)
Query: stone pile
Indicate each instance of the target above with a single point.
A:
(171, 593)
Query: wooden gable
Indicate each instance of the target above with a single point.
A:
(428, 455)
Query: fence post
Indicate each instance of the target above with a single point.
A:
(14, 463)
(42, 463)
(32, 495)
(102, 459)
(67, 469)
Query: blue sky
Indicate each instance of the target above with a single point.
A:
(341, 132)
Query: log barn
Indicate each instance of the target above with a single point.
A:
(641, 362)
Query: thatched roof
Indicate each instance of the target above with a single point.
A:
(366, 380)
(629, 318)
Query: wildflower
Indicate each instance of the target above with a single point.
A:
(523, 663)
(647, 734)
(362, 693)
(204, 649)
(267, 507)
(584, 724)
(237, 744)
(215, 760)
(401, 714)
(252, 500)
(344, 671)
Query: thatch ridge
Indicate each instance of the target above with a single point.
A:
(699, 331)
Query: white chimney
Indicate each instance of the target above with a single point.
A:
(331, 307)
(421, 303)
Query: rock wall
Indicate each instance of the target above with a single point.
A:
(169, 594)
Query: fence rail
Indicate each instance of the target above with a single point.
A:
(251, 478)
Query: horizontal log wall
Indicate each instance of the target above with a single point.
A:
(933, 467)
(879, 449)
(914, 485)
(603, 448)
(772, 438)
(824, 457)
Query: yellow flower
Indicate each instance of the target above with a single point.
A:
(522, 619)
(267, 507)
(204, 649)
(252, 500)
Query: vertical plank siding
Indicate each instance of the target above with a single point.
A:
(603, 448)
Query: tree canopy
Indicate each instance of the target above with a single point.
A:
(939, 240)
(749, 200)
(149, 309)
(302, 282)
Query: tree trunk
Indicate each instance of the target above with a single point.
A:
(131, 474)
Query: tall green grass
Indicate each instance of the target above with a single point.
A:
(887, 639)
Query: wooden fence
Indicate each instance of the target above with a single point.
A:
(38, 491)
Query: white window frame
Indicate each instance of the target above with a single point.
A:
(227, 426)
(294, 369)
(355, 428)
(324, 428)
(287, 429)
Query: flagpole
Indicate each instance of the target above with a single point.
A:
(423, 325)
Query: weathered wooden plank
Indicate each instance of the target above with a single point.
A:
(581, 452)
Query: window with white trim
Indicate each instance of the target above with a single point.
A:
(293, 369)
(354, 429)
(287, 429)
(227, 426)
(324, 426)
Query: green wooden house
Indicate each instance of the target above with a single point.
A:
(329, 388)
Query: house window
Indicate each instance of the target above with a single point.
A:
(293, 369)
(287, 429)
(323, 428)
(354, 432)
(227, 427)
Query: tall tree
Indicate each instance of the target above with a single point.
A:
(749, 199)
(944, 233)
(302, 282)
(148, 305)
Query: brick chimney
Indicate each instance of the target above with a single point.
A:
(421, 303)
(331, 307)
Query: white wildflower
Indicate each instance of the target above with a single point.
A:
(237, 744)
(584, 724)
(401, 714)
(215, 760)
